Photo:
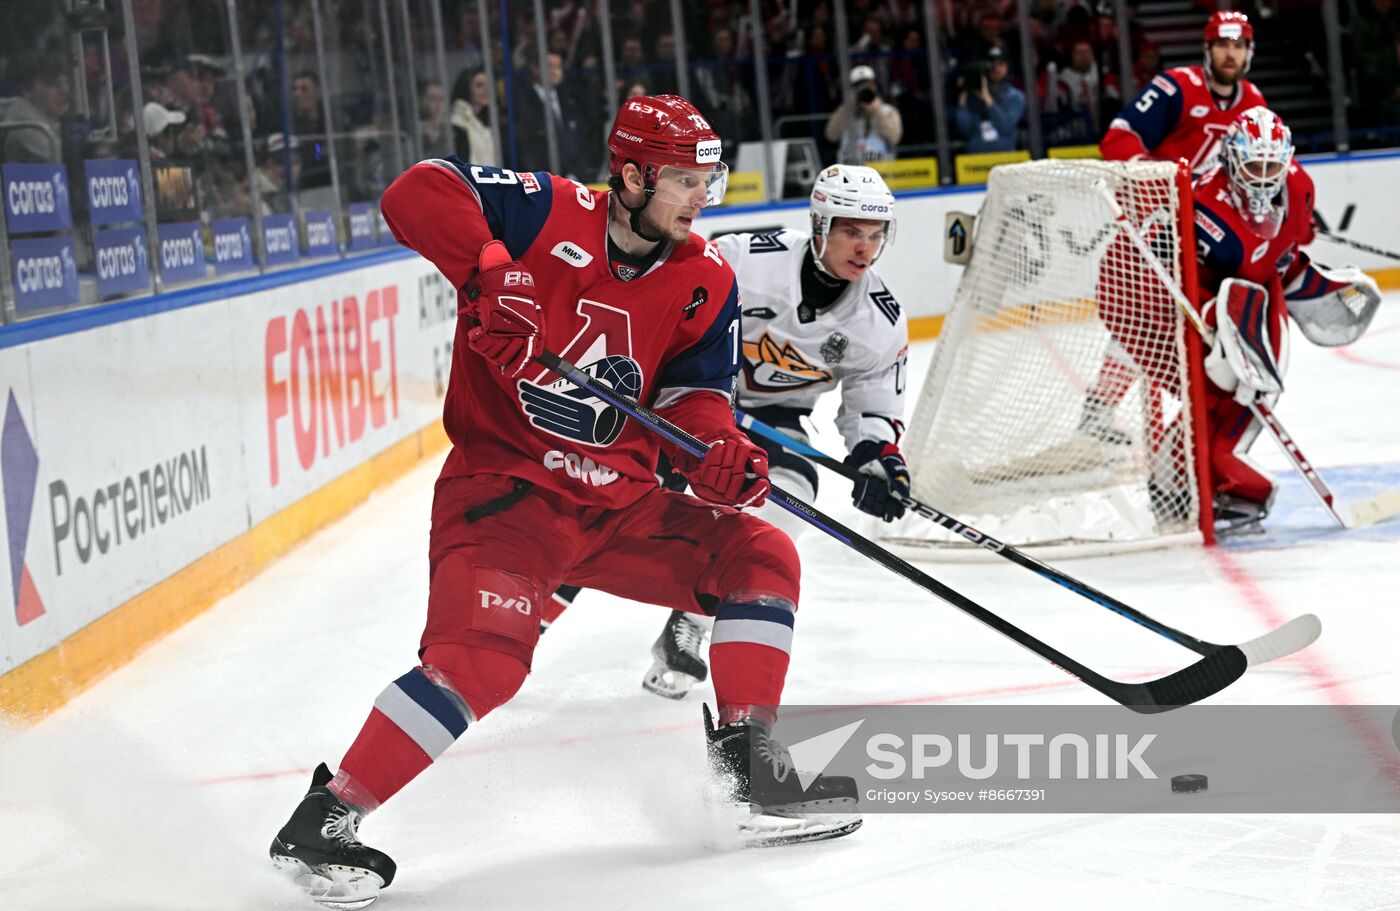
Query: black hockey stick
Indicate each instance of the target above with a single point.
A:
(1296, 634)
(1366, 248)
(1208, 676)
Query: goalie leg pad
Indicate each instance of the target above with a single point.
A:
(1233, 427)
(1244, 357)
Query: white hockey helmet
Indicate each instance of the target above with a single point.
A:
(849, 191)
(1256, 153)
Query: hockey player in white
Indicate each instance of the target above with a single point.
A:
(815, 316)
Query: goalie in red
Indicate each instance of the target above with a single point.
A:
(1253, 216)
(547, 485)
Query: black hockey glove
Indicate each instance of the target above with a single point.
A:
(885, 478)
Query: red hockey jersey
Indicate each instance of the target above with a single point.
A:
(669, 334)
(1176, 116)
(1227, 248)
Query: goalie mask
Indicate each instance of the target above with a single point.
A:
(849, 191)
(1256, 153)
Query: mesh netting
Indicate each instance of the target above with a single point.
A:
(1053, 411)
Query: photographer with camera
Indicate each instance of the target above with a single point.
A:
(989, 107)
(878, 124)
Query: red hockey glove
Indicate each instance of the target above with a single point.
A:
(501, 301)
(733, 473)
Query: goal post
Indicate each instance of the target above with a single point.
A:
(1062, 404)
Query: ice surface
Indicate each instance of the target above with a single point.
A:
(162, 786)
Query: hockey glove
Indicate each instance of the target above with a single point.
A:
(733, 473)
(885, 479)
(501, 302)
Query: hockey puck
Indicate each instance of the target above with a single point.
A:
(1188, 784)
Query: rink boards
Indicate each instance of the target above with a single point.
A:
(158, 453)
(152, 464)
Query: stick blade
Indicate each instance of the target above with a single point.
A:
(1189, 685)
(1374, 509)
(1294, 636)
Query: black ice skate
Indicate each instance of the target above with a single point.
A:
(1096, 420)
(319, 849)
(756, 774)
(1236, 517)
(678, 664)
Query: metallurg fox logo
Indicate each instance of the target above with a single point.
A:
(770, 367)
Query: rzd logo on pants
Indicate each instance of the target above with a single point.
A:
(520, 604)
(19, 466)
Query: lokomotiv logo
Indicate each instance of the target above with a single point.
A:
(19, 467)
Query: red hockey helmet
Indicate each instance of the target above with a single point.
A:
(666, 131)
(1231, 25)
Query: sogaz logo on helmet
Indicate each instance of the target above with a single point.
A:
(877, 207)
(706, 151)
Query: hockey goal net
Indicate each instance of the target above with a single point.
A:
(1057, 409)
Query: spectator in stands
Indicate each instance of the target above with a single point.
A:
(663, 71)
(189, 86)
(878, 126)
(989, 107)
(1079, 93)
(631, 63)
(635, 90)
(308, 117)
(275, 183)
(545, 98)
(1046, 17)
(471, 111)
(432, 105)
(44, 100)
(310, 131)
(161, 136)
(977, 47)
(720, 93)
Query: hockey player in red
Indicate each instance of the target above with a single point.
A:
(1185, 112)
(546, 485)
(1180, 114)
(1253, 217)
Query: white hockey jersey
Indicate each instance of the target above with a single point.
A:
(793, 354)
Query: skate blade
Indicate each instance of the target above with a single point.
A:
(771, 829)
(331, 885)
(667, 683)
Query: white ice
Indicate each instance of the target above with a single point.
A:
(161, 787)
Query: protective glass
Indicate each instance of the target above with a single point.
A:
(692, 186)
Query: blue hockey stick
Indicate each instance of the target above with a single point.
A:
(1206, 677)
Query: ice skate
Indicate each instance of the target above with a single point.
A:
(1096, 421)
(319, 850)
(678, 663)
(757, 776)
(1237, 517)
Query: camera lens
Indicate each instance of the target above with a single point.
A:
(866, 95)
